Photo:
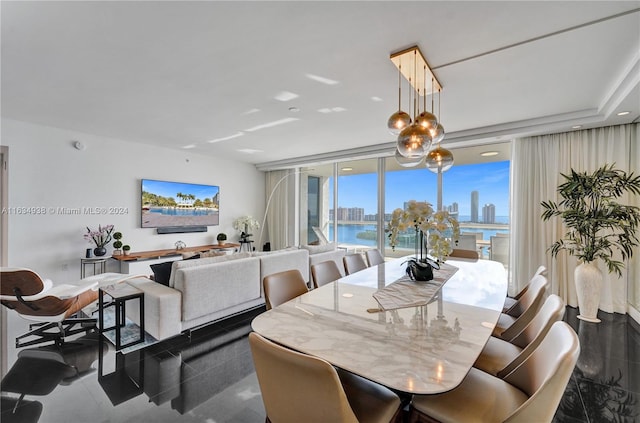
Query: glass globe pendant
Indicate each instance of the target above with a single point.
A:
(406, 162)
(398, 121)
(413, 141)
(439, 159)
(437, 133)
(427, 120)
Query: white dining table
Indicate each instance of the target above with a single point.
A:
(419, 350)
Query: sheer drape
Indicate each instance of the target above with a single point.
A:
(537, 163)
(280, 209)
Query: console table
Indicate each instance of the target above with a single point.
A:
(146, 258)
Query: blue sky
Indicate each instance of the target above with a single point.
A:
(170, 189)
(491, 180)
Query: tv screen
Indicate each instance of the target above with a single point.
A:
(176, 204)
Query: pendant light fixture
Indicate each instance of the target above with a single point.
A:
(415, 139)
(399, 120)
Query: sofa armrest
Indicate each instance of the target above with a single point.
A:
(162, 308)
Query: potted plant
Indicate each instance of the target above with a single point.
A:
(125, 249)
(597, 228)
(222, 237)
(117, 244)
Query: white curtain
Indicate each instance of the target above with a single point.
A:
(280, 209)
(537, 163)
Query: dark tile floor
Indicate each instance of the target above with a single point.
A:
(211, 379)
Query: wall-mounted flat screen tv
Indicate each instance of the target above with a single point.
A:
(176, 204)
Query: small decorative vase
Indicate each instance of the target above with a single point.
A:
(99, 251)
(419, 270)
(588, 280)
(125, 252)
(117, 252)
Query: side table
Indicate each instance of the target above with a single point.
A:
(98, 263)
(120, 294)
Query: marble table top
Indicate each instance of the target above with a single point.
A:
(421, 350)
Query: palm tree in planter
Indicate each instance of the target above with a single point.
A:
(597, 227)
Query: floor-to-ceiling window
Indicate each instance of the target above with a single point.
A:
(475, 190)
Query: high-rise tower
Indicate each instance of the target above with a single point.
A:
(474, 206)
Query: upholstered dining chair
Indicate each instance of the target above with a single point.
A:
(283, 286)
(301, 388)
(500, 357)
(510, 325)
(354, 263)
(374, 257)
(530, 393)
(464, 254)
(324, 272)
(52, 308)
(509, 302)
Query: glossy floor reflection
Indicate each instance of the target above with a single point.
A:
(210, 378)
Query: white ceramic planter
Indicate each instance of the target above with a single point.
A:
(588, 280)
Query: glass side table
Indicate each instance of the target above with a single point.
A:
(120, 294)
(99, 266)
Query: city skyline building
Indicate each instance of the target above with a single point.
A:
(489, 213)
(474, 206)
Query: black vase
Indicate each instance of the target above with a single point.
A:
(99, 251)
(419, 270)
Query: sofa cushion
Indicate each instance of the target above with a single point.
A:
(315, 249)
(201, 261)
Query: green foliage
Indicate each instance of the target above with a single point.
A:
(126, 247)
(596, 224)
(221, 237)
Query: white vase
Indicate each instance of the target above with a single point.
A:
(588, 285)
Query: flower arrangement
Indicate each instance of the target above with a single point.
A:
(442, 228)
(245, 223)
(101, 237)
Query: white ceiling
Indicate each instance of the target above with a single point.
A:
(179, 74)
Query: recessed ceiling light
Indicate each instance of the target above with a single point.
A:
(325, 110)
(321, 79)
(189, 146)
(623, 113)
(489, 153)
(251, 111)
(338, 109)
(376, 98)
(271, 124)
(230, 137)
(294, 109)
(576, 127)
(346, 169)
(286, 96)
(249, 151)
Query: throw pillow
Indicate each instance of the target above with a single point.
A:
(162, 272)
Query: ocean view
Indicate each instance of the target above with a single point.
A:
(364, 234)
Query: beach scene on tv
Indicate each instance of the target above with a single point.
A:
(179, 204)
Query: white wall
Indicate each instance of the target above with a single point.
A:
(46, 171)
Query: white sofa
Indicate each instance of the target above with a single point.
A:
(204, 290)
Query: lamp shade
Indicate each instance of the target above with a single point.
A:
(407, 162)
(439, 159)
(398, 121)
(413, 141)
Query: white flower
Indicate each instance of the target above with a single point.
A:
(420, 216)
(248, 221)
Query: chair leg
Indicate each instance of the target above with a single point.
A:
(45, 333)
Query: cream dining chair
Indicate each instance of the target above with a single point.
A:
(374, 257)
(324, 272)
(530, 393)
(509, 302)
(510, 325)
(301, 388)
(283, 286)
(354, 263)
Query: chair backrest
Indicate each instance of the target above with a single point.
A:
(466, 254)
(283, 286)
(544, 375)
(297, 387)
(374, 257)
(542, 270)
(499, 249)
(24, 291)
(325, 272)
(467, 242)
(27, 282)
(551, 311)
(527, 307)
(353, 263)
